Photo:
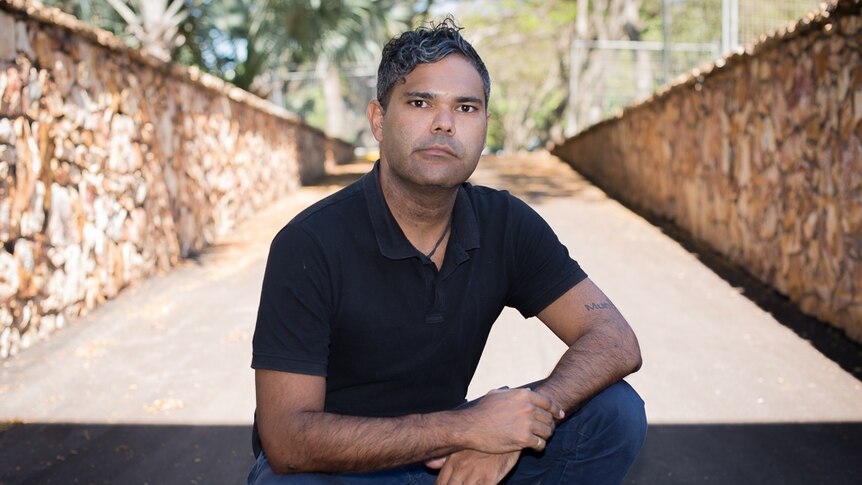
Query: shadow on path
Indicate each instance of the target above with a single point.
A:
(539, 176)
(532, 178)
(826, 338)
(780, 454)
(673, 454)
(42, 453)
(785, 453)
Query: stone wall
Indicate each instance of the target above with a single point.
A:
(115, 166)
(759, 156)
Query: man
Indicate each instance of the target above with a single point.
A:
(377, 302)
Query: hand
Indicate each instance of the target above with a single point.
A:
(506, 420)
(473, 467)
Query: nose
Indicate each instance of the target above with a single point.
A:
(443, 122)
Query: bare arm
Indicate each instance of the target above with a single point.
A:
(602, 350)
(298, 436)
(602, 347)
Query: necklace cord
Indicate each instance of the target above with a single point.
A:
(439, 241)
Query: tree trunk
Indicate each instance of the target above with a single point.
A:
(336, 111)
(633, 28)
(579, 55)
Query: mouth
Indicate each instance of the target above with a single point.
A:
(438, 151)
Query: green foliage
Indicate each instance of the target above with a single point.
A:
(97, 13)
(496, 132)
(152, 25)
(700, 20)
(690, 20)
(148, 24)
(523, 44)
(241, 39)
(308, 103)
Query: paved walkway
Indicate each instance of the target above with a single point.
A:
(155, 386)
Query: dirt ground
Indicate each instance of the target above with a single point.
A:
(155, 386)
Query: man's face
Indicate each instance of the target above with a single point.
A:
(434, 128)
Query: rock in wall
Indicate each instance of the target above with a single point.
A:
(114, 166)
(759, 156)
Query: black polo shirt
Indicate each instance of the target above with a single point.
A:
(346, 296)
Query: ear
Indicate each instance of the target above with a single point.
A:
(375, 119)
(487, 122)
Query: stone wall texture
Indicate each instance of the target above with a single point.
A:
(760, 157)
(115, 166)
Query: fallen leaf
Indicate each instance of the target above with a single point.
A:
(93, 349)
(164, 405)
(238, 336)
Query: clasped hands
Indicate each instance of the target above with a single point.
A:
(499, 426)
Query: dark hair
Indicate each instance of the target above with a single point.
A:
(423, 46)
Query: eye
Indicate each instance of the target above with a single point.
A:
(466, 108)
(418, 103)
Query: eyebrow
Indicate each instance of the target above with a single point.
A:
(469, 99)
(420, 94)
(432, 96)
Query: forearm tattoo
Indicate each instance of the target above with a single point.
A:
(600, 306)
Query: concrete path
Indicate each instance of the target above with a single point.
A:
(155, 387)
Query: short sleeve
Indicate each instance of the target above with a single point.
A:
(292, 332)
(542, 268)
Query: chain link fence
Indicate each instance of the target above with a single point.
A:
(677, 36)
(684, 35)
(301, 91)
(757, 17)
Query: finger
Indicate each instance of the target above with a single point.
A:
(541, 401)
(540, 444)
(499, 390)
(442, 477)
(446, 475)
(543, 417)
(542, 431)
(548, 405)
(557, 411)
(436, 463)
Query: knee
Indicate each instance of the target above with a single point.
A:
(615, 415)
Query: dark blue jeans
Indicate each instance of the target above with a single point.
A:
(595, 445)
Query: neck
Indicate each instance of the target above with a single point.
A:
(423, 213)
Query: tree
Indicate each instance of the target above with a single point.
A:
(237, 40)
(153, 23)
(601, 20)
(528, 47)
(97, 13)
(253, 43)
(524, 44)
(353, 35)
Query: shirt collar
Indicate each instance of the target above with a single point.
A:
(391, 240)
